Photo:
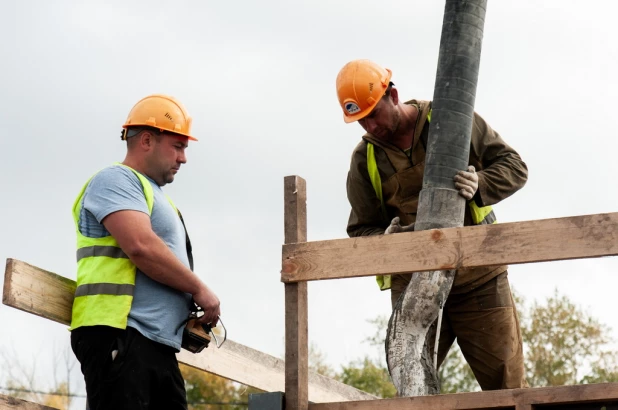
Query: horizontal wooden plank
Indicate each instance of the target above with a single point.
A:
(522, 398)
(254, 368)
(12, 403)
(38, 291)
(586, 236)
(48, 295)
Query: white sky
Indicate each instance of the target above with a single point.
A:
(259, 81)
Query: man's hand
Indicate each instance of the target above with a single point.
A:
(395, 227)
(209, 302)
(467, 182)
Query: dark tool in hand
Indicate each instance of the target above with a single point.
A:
(196, 336)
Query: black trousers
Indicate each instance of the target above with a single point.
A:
(144, 375)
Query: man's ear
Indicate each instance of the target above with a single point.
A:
(394, 96)
(146, 139)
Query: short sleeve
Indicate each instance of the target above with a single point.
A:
(114, 189)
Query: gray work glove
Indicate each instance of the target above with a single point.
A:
(467, 182)
(395, 227)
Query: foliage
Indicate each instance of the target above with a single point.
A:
(604, 369)
(317, 362)
(455, 375)
(565, 345)
(371, 374)
(368, 376)
(208, 391)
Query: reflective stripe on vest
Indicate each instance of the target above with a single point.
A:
(104, 289)
(97, 250)
(480, 216)
(105, 274)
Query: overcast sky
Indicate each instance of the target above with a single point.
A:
(259, 80)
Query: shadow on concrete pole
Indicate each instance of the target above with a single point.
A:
(408, 352)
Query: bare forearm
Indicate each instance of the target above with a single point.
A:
(159, 263)
(133, 231)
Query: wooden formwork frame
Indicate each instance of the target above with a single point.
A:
(577, 237)
(48, 295)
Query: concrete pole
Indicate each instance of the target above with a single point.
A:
(408, 349)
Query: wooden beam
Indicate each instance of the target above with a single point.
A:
(38, 291)
(296, 308)
(12, 403)
(524, 399)
(587, 236)
(48, 295)
(251, 367)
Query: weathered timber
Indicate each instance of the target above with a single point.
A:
(257, 369)
(12, 403)
(296, 303)
(576, 237)
(49, 295)
(38, 291)
(518, 399)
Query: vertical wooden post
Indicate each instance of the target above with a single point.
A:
(522, 404)
(296, 323)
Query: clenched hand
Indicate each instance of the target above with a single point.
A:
(209, 302)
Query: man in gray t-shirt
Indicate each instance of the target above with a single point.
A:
(135, 285)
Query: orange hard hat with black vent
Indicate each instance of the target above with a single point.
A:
(360, 85)
(160, 111)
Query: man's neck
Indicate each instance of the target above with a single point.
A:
(134, 163)
(404, 135)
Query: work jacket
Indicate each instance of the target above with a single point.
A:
(500, 170)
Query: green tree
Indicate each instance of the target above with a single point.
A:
(455, 374)
(208, 391)
(371, 374)
(603, 370)
(562, 341)
(563, 344)
(317, 362)
(204, 387)
(368, 376)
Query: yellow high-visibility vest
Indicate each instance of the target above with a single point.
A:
(105, 274)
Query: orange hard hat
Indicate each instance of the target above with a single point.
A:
(160, 111)
(360, 85)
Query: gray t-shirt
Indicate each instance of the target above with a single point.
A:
(157, 310)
